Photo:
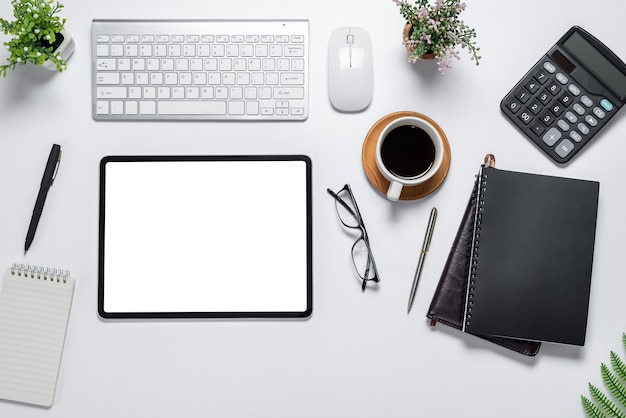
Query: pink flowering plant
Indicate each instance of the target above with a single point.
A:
(36, 34)
(436, 29)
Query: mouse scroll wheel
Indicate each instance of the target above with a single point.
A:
(350, 39)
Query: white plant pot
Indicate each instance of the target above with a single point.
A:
(66, 49)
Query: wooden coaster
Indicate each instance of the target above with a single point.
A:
(374, 175)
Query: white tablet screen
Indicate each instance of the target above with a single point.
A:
(205, 237)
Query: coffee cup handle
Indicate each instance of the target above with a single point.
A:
(393, 193)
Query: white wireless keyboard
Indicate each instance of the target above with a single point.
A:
(200, 69)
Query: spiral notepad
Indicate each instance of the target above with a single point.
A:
(531, 257)
(35, 305)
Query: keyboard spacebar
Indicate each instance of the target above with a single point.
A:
(191, 108)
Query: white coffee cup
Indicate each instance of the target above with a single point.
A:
(409, 152)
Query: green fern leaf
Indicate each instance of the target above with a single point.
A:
(618, 365)
(591, 409)
(616, 387)
(605, 403)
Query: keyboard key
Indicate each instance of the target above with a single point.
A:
(102, 107)
(111, 93)
(108, 64)
(283, 93)
(147, 107)
(108, 78)
(192, 108)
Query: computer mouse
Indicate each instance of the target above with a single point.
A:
(350, 72)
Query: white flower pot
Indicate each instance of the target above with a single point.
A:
(66, 49)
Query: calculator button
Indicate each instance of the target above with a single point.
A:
(599, 113)
(549, 67)
(565, 98)
(513, 105)
(541, 76)
(535, 107)
(574, 89)
(591, 121)
(561, 78)
(563, 125)
(552, 136)
(525, 117)
(557, 108)
(579, 109)
(586, 101)
(608, 106)
(583, 129)
(575, 136)
(554, 89)
(532, 86)
(547, 118)
(571, 117)
(538, 128)
(544, 97)
(565, 147)
(522, 95)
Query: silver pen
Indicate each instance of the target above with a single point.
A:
(425, 246)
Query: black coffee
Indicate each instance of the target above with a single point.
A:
(408, 151)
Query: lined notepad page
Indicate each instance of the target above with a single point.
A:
(33, 321)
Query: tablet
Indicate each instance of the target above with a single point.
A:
(205, 237)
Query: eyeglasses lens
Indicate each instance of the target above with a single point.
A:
(347, 213)
(363, 260)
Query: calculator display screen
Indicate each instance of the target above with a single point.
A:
(597, 63)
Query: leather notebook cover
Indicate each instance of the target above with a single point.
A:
(532, 256)
(448, 302)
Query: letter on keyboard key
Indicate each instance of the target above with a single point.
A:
(191, 108)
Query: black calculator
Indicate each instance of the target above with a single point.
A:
(568, 96)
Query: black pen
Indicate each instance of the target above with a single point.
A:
(49, 174)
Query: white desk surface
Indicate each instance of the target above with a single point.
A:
(359, 354)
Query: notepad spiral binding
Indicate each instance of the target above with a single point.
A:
(41, 273)
(490, 161)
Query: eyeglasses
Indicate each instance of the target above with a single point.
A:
(350, 217)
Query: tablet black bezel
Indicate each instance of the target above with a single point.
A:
(182, 315)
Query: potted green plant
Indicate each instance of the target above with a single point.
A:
(38, 36)
(433, 31)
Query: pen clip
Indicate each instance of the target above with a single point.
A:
(56, 168)
(429, 232)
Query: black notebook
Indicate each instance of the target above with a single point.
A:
(532, 254)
